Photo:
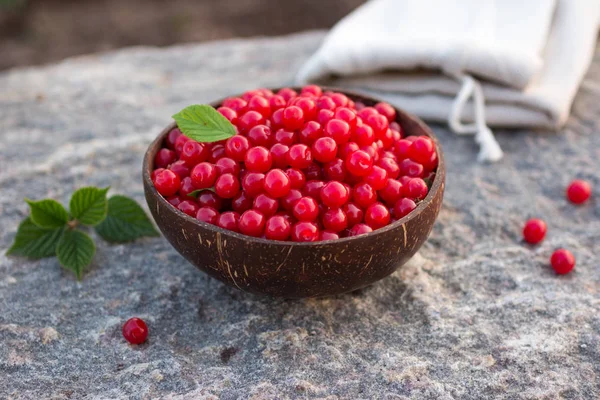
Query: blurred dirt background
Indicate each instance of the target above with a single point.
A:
(41, 31)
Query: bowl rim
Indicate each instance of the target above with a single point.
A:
(436, 186)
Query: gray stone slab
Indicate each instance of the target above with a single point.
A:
(477, 314)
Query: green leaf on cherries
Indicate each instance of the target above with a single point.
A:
(88, 205)
(195, 193)
(48, 213)
(75, 251)
(125, 221)
(35, 242)
(204, 124)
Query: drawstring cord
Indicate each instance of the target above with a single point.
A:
(489, 149)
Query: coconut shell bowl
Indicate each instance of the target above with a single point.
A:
(299, 269)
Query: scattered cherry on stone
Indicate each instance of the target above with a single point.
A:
(135, 331)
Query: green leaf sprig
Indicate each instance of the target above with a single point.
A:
(50, 230)
(204, 124)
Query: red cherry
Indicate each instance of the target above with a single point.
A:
(180, 142)
(175, 200)
(236, 147)
(299, 156)
(306, 209)
(379, 123)
(278, 228)
(216, 152)
(135, 331)
(579, 191)
(392, 192)
(359, 229)
(562, 261)
(287, 138)
(326, 235)
(308, 107)
(172, 137)
(386, 110)
(313, 90)
(346, 149)
(354, 214)
(279, 154)
(208, 215)
(305, 232)
(359, 163)
(390, 166)
(226, 165)
(266, 205)
(229, 220)
(277, 119)
(277, 184)
(228, 113)
(227, 186)
(260, 135)
(241, 202)
(297, 178)
(288, 201)
(252, 183)
(276, 102)
(236, 104)
(180, 169)
(377, 178)
(324, 149)
(260, 105)
(164, 157)
(410, 168)
(293, 118)
(339, 99)
(313, 172)
(207, 198)
(252, 223)
(346, 114)
(194, 153)
(377, 216)
(335, 220)
(326, 103)
(421, 150)
(335, 170)
(338, 130)
(249, 120)
(167, 182)
(155, 173)
(312, 131)
(189, 207)
(363, 135)
(364, 195)
(258, 159)
(324, 116)
(534, 231)
(313, 189)
(287, 93)
(186, 187)
(403, 207)
(334, 194)
(416, 189)
(203, 175)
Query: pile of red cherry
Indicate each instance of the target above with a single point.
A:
(303, 166)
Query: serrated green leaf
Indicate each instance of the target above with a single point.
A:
(126, 221)
(204, 124)
(48, 213)
(34, 242)
(89, 205)
(75, 251)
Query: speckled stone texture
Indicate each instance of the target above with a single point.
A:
(476, 315)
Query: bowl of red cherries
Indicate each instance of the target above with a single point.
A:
(295, 192)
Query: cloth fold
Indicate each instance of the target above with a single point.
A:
(527, 58)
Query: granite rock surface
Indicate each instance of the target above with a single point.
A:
(476, 314)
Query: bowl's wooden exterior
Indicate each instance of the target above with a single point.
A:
(296, 270)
